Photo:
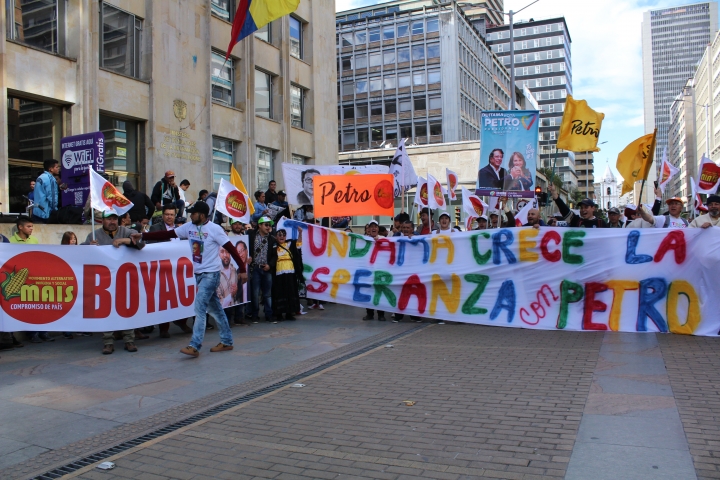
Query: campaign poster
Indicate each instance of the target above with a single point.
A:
(233, 287)
(299, 184)
(508, 153)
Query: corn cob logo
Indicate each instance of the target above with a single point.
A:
(14, 281)
(37, 287)
(112, 197)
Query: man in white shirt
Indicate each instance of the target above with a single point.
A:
(712, 217)
(672, 220)
(445, 227)
(206, 239)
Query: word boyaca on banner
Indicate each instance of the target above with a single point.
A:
(624, 280)
(94, 289)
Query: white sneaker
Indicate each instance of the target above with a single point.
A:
(320, 306)
(440, 322)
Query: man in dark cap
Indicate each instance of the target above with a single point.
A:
(614, 218)
(142, 205)
(712, 217)
(586, 219)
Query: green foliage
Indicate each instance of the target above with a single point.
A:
(548, 172)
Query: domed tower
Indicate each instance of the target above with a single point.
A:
(608, 194)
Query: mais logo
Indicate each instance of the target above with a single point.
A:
(38, 288)
(236, 204)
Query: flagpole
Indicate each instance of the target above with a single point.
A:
(92, 210)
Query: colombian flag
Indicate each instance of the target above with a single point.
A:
(254, 14)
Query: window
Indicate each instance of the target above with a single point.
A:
(404, 80)
(435, 102)
(361, 37)
(296, 33)
(375, 84)
(361, 86)
(222, 160)
(297, 106)
(419, 103)
(376, 108)
(418, 52)
(608, 192)
(390, 133)
(436, 127)
(36, 23)
(346, 63)
(419, 78)
(224, 9)
(432, 25)
(120, 50)
(360, 61)
(405, 130)
(402, 30)
(348, 111)
(222, 79)
(263, 94)
(121, 145)
(298, 159)
(405, 105)
(347, 40)
(375, 59)
(389, 32)
(403, 55)
(389, 57)
(389, 82)
(265, 165)
(433, 76)
(390, 106)
(361, 111)
(418, 28)
(421, 131)
(433, 50)
(265, 33)
(376, 134)
(374, 34)
(362, 136)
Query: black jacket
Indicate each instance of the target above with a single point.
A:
(488, 179)
(160, 189)
(272, 249)
(142, 206)
(577, 221)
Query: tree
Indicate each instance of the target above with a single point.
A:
(548, 172)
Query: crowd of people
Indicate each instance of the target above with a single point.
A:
(270, 264)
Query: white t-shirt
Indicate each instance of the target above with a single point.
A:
(674, 222)
(205, 244)
(444, 232)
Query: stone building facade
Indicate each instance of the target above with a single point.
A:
(151, 76)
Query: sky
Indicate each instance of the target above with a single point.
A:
(606, 54)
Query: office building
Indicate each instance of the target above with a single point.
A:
(543, 65)
(681, 150)
(152, 76)
(415, 70)
(673, 42)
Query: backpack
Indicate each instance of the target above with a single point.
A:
(667, 221)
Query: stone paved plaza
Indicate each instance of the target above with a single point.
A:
(445, 401)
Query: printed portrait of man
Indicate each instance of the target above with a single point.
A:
(241, 281)
(306, 196)
(493, 175)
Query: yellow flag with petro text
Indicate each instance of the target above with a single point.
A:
(635, 161)
(580, 127)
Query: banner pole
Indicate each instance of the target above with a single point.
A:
(92, 216)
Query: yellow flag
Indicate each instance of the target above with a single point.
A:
(635, 161)
(580, 127)
(238, 183)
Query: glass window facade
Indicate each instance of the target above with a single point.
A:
(224, 9)
(296, 38)
(121, 41)
(297, 106)
(265, 159)
(121, 144)
(222, 79)
(265, 33)
(263, 94)
(37, 23)
(223, 153)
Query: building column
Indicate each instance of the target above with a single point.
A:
(4, 186)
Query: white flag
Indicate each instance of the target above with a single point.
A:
(402, 170)
(421, 193)
(435, 198)
(472, 204)
(521, 218)
(709, 178)
(667, 171)
(105, 197)
(696, 199)
(232, 202)
(452, 183)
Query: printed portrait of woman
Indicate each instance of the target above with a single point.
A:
(518, 178)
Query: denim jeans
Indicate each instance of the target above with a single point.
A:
(207, 301)
(261, 281)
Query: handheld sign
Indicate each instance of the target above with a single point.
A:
(348, 195)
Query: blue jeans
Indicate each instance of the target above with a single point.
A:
(207, 301)
(261, 280)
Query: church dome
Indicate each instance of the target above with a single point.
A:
(608, 177)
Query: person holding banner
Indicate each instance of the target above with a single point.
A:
(373, 231)
(587, 218)
(672, 220)
(206, 239)
(712, 217)
(445, 227)
(424, 228)
(288, 267)
(407, 229)
(264, 256)
(112, 234)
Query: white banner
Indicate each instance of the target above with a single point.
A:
(94, 289)
(651, 280)
(298, 178)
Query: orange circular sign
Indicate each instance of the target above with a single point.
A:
(236, 204)
(37, 287)
(384, 194)
(424, 194)
(452, 181)
(438, 194)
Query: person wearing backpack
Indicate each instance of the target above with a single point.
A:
(672, 220)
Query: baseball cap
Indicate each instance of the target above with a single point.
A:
(483, 216)
(200, 207)
(169, 174)
(281, 192)
(674, 199)
(109, 214)
(265, 220)
(371, 222)
(614, 210)
(494, 212)
(713, 199)
(587, 202)
(444, 214)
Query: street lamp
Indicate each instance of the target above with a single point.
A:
(512, 45)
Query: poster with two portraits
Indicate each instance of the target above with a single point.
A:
(508, 153)
(233, 288)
